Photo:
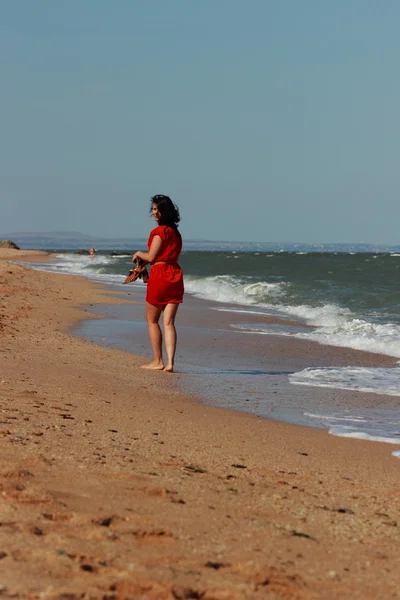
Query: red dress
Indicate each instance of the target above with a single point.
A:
(165, 284)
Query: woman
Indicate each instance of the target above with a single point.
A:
(165, 284)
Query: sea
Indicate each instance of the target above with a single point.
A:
(246, 308)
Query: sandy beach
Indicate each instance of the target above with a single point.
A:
(115, 485)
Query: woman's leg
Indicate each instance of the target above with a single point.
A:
(153, 312)
(170, 335)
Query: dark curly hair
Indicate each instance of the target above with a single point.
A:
(169, 211)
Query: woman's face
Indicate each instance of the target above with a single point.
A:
(155, 213)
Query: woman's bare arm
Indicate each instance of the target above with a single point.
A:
(151, 255)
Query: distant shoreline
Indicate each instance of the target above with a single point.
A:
(66, 241)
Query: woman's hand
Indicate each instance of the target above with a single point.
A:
(136, 257)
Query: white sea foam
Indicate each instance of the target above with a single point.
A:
(225, 288)
(74, 264)
(328, 315)
(360, 435)
(270, 329)
(330, 418)
(361, 379)
(359, 334)
(334, 325)
(378, 422)
(240, 311)
(373, 424)
(84, 265)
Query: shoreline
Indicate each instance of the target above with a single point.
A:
(221, 366)
(114, 482)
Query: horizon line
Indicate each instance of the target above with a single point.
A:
(83, 236)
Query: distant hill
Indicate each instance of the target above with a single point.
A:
(73, 235)
(55, 240)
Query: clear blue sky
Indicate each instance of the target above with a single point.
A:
(265, 120)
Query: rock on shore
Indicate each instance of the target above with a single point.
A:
(8, 244)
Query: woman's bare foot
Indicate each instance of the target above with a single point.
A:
(169, 369)
(154, 365)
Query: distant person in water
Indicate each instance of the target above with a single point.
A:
(165, 284)
(92, 251)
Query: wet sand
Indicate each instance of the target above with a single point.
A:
(223, 366)
(114, 484)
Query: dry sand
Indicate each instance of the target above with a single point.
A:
(113, 485)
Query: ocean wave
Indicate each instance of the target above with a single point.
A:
(361, 379)
(370, 424)
(229, 289)
(98, 268)
(358, 334)
(326, 315)
(331, 324)
(75, 264)
(362, 435)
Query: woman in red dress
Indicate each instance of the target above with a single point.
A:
(165, 284)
